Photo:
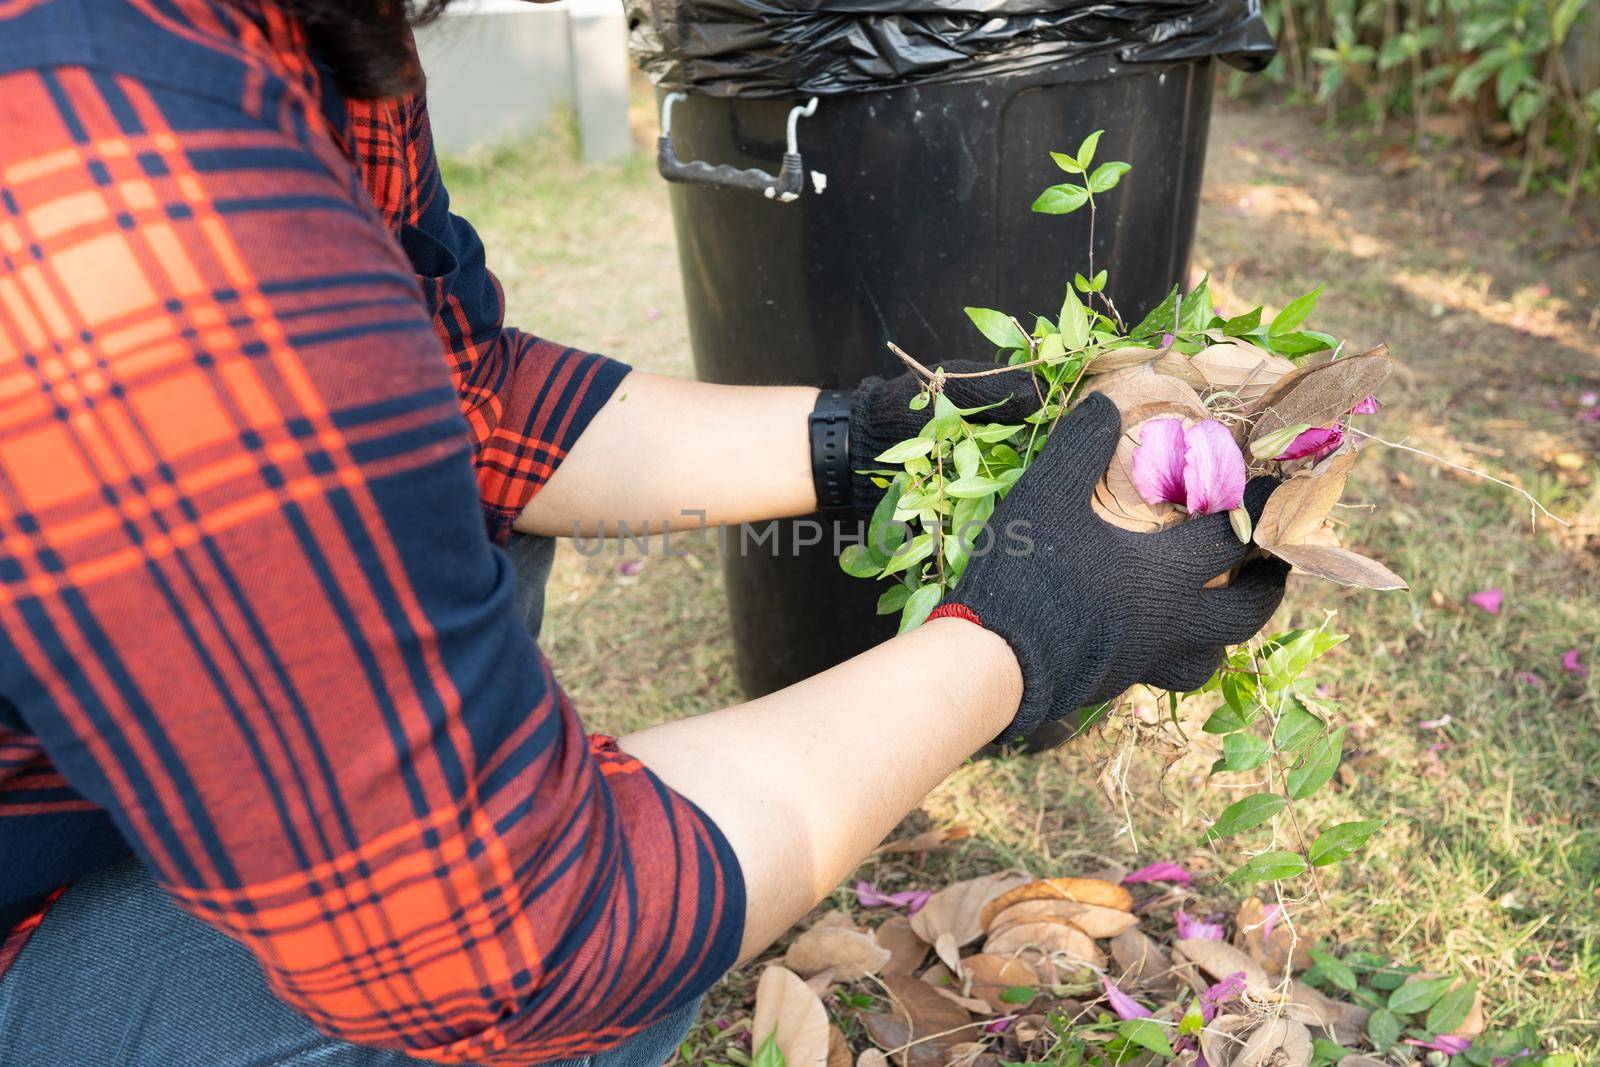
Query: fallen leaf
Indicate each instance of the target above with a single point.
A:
(1356, 1059)
(931, 1021)
(1218, 959)
(788, 1010)
(1223, 1038)
(1081, 890)
(838, 1048)
(1339, 565)
(1276, 950)
(1345, 1021)
(958, 909)
(1142, 962)
(989, 976)
(822, 981)
(1092, 919)
(1279, 1042)
(1318, 394)
(906, 949)
(851, 954)
(948, 952)
(1037, 942)
(872, 1058)
(927, 841)
(973, 1004)
(965, 1054)
(1239, 368)
(1297, 508)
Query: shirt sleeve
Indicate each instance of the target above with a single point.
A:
(526, 399)
(250, 610)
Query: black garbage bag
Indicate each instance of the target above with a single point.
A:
(765, 48)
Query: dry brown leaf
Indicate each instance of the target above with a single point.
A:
(1223, 1038)
(965, 1054)
(1142, 962)
(990, 976)
(1081, 890)
(1473, 1024)
(906, 949)
(787, 1009)
(1347, 1022)
(956, 909)
(1240, 368)
(1034, 942)
(948, 951)
(872, 1058)
(1281, 952)
(1355, 1059)
(1218, 960)
(837, 919)
(927, 841)
(838, 1048)
(822, 981)
(1279, 1042)
(1297, 508)
(1140, 395)
(1092, 919)
(1340, 565)
(849, 953)
(937, 975)
(972, 1004)
(1317, 394)
(930, 1023)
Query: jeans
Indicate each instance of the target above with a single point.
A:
(118, 975)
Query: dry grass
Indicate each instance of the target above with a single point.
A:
(1490, 864)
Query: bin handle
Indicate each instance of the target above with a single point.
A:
(785, 187)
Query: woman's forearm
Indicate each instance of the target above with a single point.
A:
(805, 782)
(665, 452)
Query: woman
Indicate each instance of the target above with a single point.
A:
(283, 776)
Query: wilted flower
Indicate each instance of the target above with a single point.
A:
(1159, 872)
(1529, 678)
(1123, 1006)
(910, 899)
(1315, 442)
(1000, 1025)
(1450, 1043)
(1573, 665)
(1230, 988)
(1367, 406)
(1487, 599)
(1199, 466)
(1192, 929)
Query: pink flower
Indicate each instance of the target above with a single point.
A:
(1443, 1043)
(1592, 415)
(1122, 1005)
(1269, 919)
(1159, 872)
(1529, 678)
(1000, 1025)
(1315, 442)
(1199, 467)
(911, 899)
(630, 567)
(1230, 988)
(1192, 929)
(1368, 406)
(1487, 599)
(1573, 665)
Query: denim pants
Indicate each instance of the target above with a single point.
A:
(118, 976)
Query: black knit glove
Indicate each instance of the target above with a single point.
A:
(881, 416)
(1091, 609)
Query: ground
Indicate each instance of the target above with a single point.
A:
(1471, 740)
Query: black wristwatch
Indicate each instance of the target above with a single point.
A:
(830, 451)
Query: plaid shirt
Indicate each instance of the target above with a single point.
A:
(253, 628)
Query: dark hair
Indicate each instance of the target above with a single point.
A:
(367, 43)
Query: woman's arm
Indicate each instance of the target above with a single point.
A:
(663, 451)
(805, 782)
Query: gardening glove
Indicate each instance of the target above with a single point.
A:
(1091, 609)
(881, 415)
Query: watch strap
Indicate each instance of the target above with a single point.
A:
(829, 424)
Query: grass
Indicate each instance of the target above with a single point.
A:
(1490, 862)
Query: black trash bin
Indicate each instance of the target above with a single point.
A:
(913, 202)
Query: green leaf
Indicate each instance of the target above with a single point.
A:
(1225, 720)
(1274, 444)
(1338, 973)
(918, 402)
(858, 563)
(884, 534)
(1317, 765)
(1196, 309)
(1106, 176)
(1325, 1053)
(1267, 867)
(917, 446)
(1194, 1019)
(1246, 814)
(1298, 311)
(910, 554)
(1001, 330)
(1052, 349)
(1241, 693)
(1086, 149)
(973, 487)
(1302, 344)
(1417, 995)
(1019, 994)
(893, 599)
(1147, 1034)
(1296, 727)
(769, 1055)
(1074, 320)
(918, 605)
(1383, 1028)
(1061, 199)
(995, 431)
(1452, 1009)
(1288, 658)
(1243, 752)
(1341, 840)
(1066, 162)
(1240, 325)
(1159, 321)
(967, 458)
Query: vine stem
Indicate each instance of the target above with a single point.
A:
(939, 376)
(1294, 821)
(1529, 497)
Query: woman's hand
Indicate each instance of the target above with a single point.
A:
(880, 413)
(1090, 609)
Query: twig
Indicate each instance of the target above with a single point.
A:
(939, 376)
(1529, 497)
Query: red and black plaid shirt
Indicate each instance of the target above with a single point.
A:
(253, 628)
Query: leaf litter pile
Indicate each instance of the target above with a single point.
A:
(1107, 969)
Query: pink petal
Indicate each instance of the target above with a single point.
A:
(911, 899)
(1589, 399)
(1487, 599)
(630, 567)
(1529, 678)
(1573, 665)
(1122, 1005)
(1367, 406)
(1158, 462)
(1213, 469)
(1269, 919)
(1192, 929)
(1592, 415)
(1230, 988)
(1159, 872)
(1000, 1025)
(1315, 442)
(1443, 1043)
